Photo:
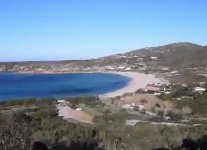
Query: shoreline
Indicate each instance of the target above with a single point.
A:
(137, 81)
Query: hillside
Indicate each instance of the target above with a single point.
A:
(177, 56)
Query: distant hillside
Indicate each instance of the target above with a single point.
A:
(177, 55)
(172, 56)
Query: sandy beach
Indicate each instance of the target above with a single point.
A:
(137, 81)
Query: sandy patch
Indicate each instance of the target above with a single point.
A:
(68, 113)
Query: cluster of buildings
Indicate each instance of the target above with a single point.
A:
(157, 89)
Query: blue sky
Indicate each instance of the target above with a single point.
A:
(81, 29)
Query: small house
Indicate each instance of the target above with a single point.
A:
(199, 89)
(153, 58)
(60, 101)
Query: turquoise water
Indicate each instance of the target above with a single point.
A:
(16, 86)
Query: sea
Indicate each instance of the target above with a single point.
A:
(20, 86)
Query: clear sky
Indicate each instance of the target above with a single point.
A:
(80, 29)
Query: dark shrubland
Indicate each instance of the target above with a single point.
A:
(42, 129)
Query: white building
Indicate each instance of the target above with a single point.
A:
(121, 67)
(128, 69)
(199, 89)
(153, 58)
(60, 101)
